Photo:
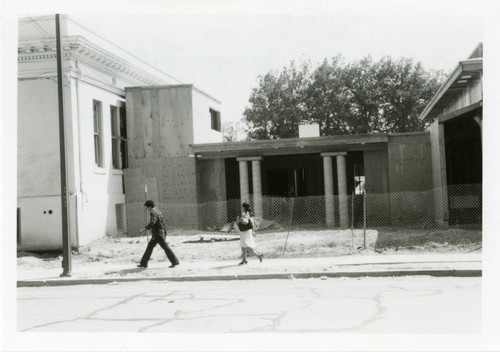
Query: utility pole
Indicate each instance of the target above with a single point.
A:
(66, 262)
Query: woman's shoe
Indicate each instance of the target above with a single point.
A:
(243, 262)
(261, 257)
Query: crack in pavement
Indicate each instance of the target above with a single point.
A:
(178, 315)
(88, 316)
(276, 322)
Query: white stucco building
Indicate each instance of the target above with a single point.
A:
(96, 73)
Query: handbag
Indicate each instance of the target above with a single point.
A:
(245, 227)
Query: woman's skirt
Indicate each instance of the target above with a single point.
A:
(246, 239)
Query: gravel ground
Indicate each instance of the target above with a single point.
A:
(219, 246)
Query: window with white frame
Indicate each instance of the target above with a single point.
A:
(119, 137)
(98, 146)
(215, 120)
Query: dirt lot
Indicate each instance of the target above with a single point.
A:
(189, 245)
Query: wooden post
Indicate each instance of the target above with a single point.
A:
(66, 262)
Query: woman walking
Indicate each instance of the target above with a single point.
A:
(247, 242)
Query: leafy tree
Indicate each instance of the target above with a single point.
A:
(326, 100)
(405, 88)
(233, 131)
(362, 95)
(277, 105)
(343, 98)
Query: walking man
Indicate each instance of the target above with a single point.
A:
(158, 232)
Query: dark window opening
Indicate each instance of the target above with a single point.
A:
(215, 120)
(359, 179)
(286, 182)
(119, 138)
(463, 148)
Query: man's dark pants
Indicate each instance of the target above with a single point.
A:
(155, 239)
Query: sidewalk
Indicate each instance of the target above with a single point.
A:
(469, 264)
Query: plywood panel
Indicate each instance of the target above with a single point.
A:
(152, 189)
(134, 187)
(211, 180)
(376, 171)
(175, 108)
(156, 125)
(410, 165)
(146, 118)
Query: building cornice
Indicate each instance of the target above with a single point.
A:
(78, 48)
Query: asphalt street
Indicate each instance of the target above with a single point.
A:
(404, 304)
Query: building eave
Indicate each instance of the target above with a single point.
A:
(290, 146)
(466, 71)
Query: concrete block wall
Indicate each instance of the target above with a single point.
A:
(211, 181)
(410, 175)
(410, 165)
(376, 167)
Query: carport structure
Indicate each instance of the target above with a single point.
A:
(456, 141)
(331, 166)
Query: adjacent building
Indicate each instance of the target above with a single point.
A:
(456, 142)
(98, 138)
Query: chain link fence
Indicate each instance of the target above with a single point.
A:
(446, 220)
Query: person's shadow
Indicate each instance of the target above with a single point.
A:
(226, 266)
(125, 271)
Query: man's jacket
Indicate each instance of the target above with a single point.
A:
(156, 224)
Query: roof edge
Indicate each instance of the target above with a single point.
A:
(462, 67)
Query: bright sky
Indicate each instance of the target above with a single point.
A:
(223, 54)
(222, 46)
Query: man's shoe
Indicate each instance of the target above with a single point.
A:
(142, 266)
(173, 265)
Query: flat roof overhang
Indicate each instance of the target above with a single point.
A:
(290, 146)
(465, 72)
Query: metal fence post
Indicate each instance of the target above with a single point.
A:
(352, 222)
(364, 219)
(289, 225)
(146, 211)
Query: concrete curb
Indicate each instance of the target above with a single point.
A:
(261, 276)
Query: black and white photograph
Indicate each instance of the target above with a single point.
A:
(249, 176)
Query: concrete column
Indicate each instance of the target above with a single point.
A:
(328, 179)
(256, 182)
(342, 184)
(438, 158)
(257, 187)
(244, 197)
